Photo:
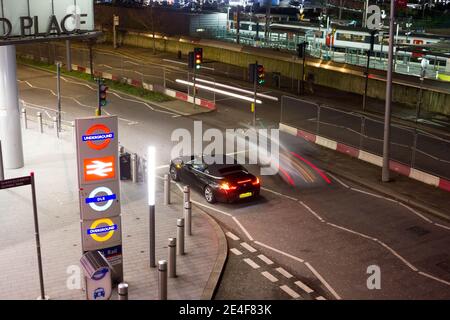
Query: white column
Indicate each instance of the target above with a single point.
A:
(10, 131)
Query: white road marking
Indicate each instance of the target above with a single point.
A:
(209, 207)
(338, 180)
(265, 259)
(321, 279)
(434, 278)
(279, 194)
(251, 263)
(442, 226)
(304, 287)
(248, 247)
(320, 298)
(351, 231)
(398, 256)
(284, 272)
(290, 292)
(232, 236)
(415, 212)
(131, 62)
(312, 211)
(367, 193)
(280, 252)
(242, 228)
(236, 251)
(269, 276)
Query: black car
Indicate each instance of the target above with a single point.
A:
(223, 181)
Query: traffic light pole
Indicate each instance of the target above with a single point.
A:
(255, 93)
(195, 91)
(303, 68)
(99, 110)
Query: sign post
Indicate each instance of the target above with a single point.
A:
(98, 178)
(20, 182)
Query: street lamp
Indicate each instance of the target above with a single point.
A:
(151, 181)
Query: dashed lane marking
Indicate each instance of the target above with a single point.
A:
(265, 259)
(248, 247)
(251, 263)
(320, 298)
(280, 252)
(236, 251)
(290, 292)
(284, 272)
(232, 236)
(304, 287)
(269, 276)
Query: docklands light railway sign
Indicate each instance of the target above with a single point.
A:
(29, 20)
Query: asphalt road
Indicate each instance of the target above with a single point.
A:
(324, 234)
(433, 152)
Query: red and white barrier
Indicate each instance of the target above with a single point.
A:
(148, 86)
(369, 157)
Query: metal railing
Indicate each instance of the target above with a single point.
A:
(409, 146)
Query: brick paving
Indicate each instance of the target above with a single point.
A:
(53, 162)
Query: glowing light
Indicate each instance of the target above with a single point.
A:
(151, 175)
(225, 93)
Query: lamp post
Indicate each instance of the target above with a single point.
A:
(151, 181)
(387, 118)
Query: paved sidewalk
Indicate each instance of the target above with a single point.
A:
(53, 162)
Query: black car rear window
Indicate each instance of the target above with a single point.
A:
(231, 169)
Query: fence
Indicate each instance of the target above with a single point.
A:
(409, 146)
(119, 66)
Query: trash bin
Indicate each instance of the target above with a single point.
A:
(125, 166)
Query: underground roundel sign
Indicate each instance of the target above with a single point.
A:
(98, 137)
(101, 233)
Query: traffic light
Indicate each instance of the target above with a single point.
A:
(198, 56)
(102, 90)
(256, 74)
(260, 75)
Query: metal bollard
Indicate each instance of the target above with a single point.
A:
(55, 126)
(180, 237)
(123, 291)
(24, 118)
(166, 189)
(40, 124)
(172, 265)
(2, 172)
(134, 167)
(186, 194)
(162, 279)
(188, 218)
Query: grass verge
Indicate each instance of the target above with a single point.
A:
(114, 85)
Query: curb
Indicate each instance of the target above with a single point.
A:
(216, 273)
(211, 106)
(375, 160)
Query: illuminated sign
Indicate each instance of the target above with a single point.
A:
(96, 197)
(98, 137)
(104, 232)
(99, 169)
(42, 18)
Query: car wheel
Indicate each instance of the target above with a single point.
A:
(209, 195)
(174, 174)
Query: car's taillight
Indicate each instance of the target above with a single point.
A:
(227, 186)
(256, 182)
